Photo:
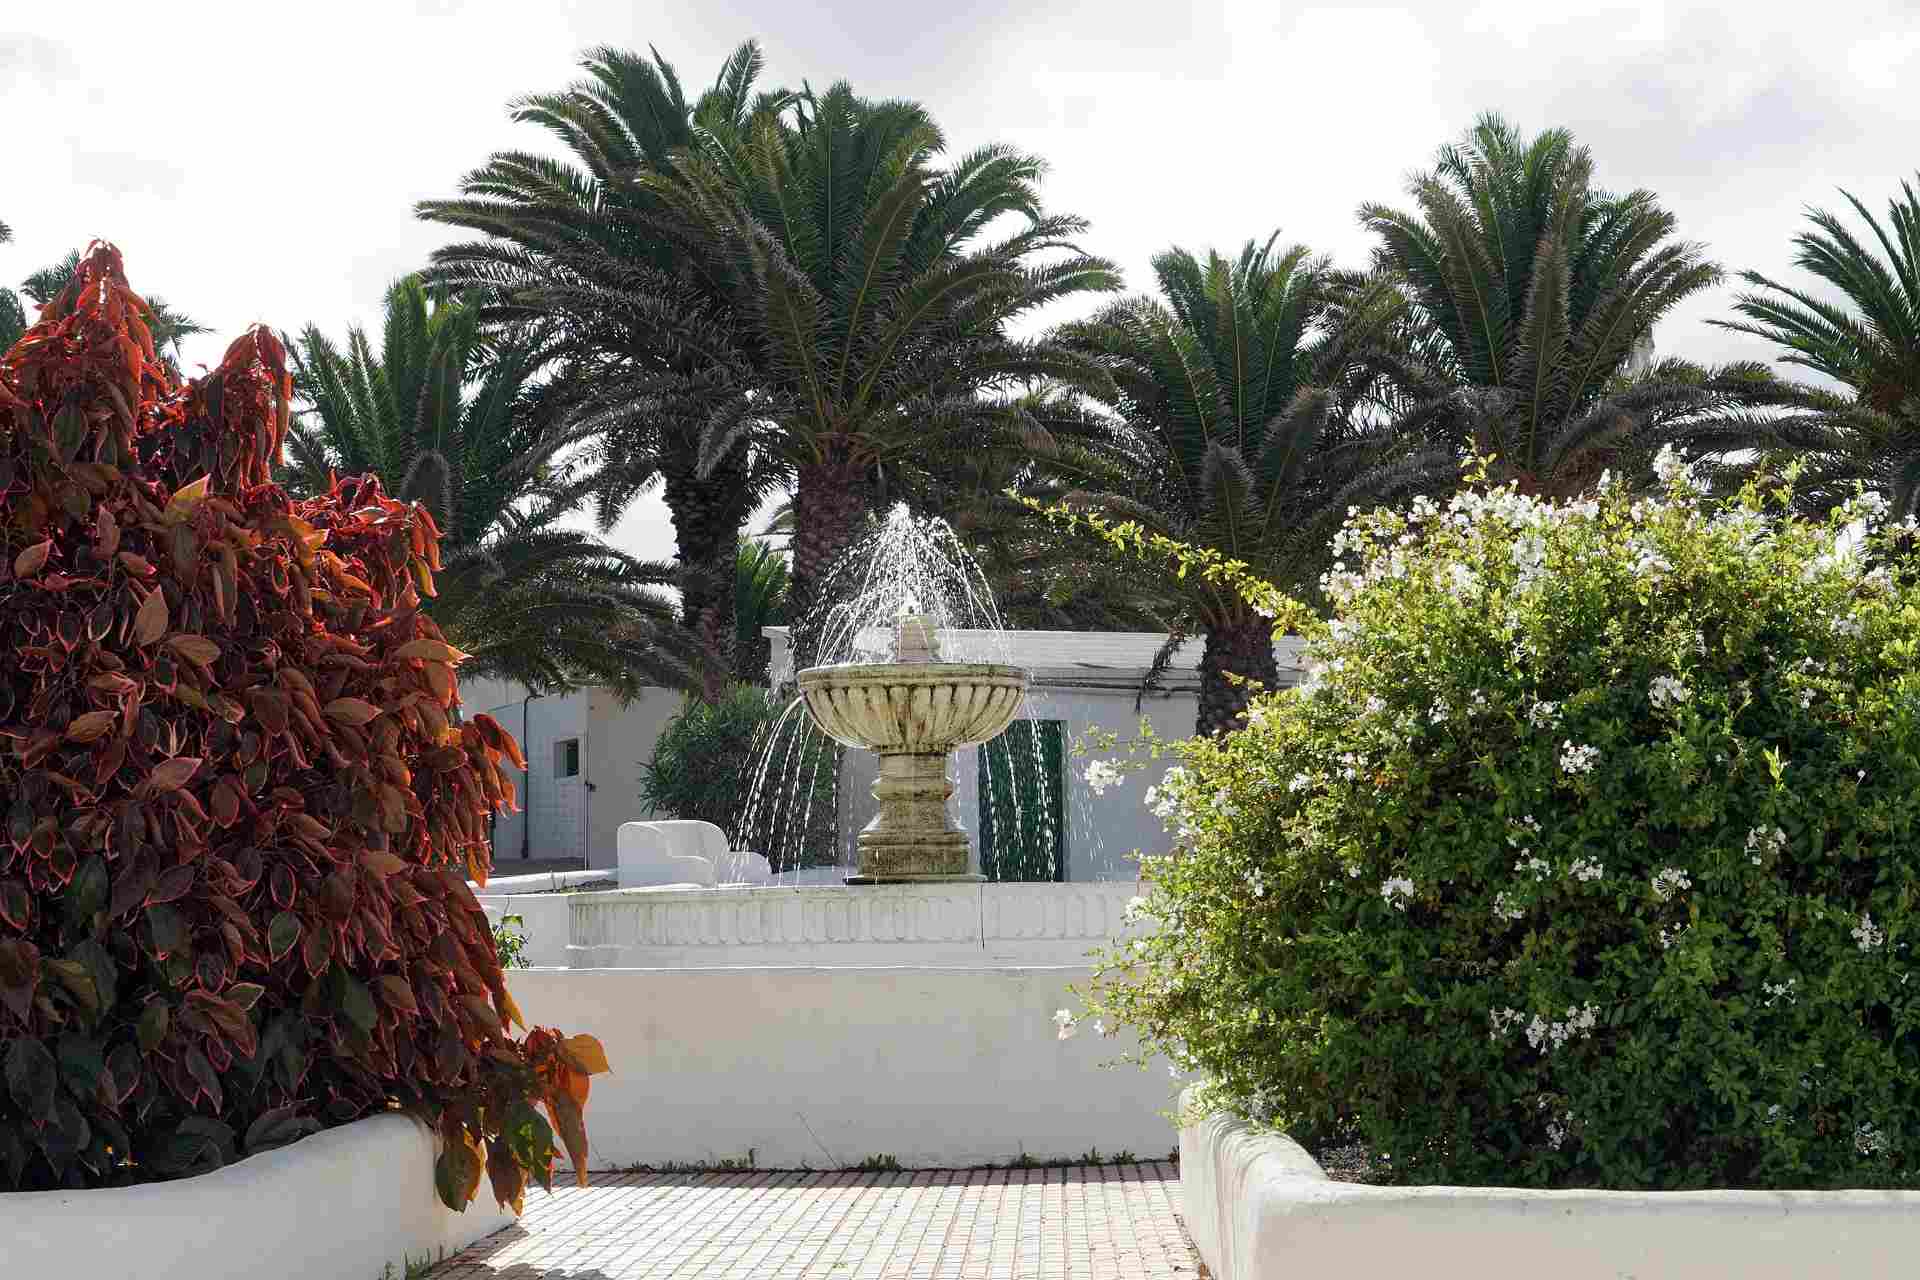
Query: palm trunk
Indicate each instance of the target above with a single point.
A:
(707, 515)
(1242, 646)
(830, 500)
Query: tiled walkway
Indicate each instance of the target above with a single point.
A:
(1111, 1222)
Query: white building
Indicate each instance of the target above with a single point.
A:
(584, 750)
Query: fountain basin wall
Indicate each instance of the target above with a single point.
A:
(342, 1204)
(1258, 1206)
(825, 1067)
(918, 924)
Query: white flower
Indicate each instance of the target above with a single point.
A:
(1762, 844)
(1580, 759)
(1585, 870)
(1299, 782)
(1503, 1020)
(1665, 691)
(1669, 881)
(1066, 1024)
(1559, 1130)
(1504, 908)
(1257, 882)
(1539, 866)
(1397, 890)
(1779, 990)
(1102, 774)
(1136, 908)
(1869, 1141)
(1543, 714)
(1670, 936)
(1674, 472)
(1849, 627)
(1868, 934)
(1578, 1025)
(1461, 581)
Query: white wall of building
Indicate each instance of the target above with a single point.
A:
(573, 816)
(620, 740)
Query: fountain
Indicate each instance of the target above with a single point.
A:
(906, 595)
(912, 712)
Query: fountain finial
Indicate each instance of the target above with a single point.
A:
(915, 637)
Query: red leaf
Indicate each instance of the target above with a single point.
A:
(173, 774)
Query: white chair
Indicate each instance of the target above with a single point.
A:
(650, 857)
(689, 837)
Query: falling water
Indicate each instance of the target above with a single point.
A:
(802, 779)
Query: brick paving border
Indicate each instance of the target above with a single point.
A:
(1084, 1222)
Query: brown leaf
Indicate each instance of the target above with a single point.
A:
(33, 559)
(430, 651)
(92, 725)
(586, 1054)
(172, 774)
(195, 649)
(184, 500)
(106, 534)
(151, 622)
(353, 711)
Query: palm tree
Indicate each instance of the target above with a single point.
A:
(580, 245)
(13, 317)
(1867, 339)
(760, 601)
(467, 429)
(1529, 294)
(1043, 577)
(167, 325)
(1248, 451)
(870, 300)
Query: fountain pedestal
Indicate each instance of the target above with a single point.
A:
(913, 714)
(910, 839)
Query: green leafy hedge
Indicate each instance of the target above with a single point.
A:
(709, 758)
(1586, 857)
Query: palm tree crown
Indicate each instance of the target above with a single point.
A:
(873, 305)
(468, 430)
(582, 245)
(1247, 450)
(1530, 291)
(1867, 339)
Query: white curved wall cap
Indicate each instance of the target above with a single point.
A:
(342, 1204)
(1259, 1206)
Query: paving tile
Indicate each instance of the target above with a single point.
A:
(1107, 1222)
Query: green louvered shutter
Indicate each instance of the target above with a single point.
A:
(1028, 761)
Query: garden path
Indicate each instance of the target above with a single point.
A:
(1088, 1222)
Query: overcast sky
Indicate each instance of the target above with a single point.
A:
(260, 161)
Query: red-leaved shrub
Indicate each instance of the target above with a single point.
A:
(240, 804)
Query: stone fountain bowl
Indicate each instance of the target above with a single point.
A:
(913, 707)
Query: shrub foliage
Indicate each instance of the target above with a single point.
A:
(765, 778)
(240, 804)
(1586, 857)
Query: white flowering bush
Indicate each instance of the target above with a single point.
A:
(1586, 857)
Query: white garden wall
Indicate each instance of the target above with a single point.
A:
(1258, 1206)
(545, 918)
(904, 924)
(825, 1067)
(342, 1204)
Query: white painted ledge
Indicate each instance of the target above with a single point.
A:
(903, 924)
(342, 1204)
(1258, 1206)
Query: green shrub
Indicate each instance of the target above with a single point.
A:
(1586, 856)
(708, 759)
(510, 942)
